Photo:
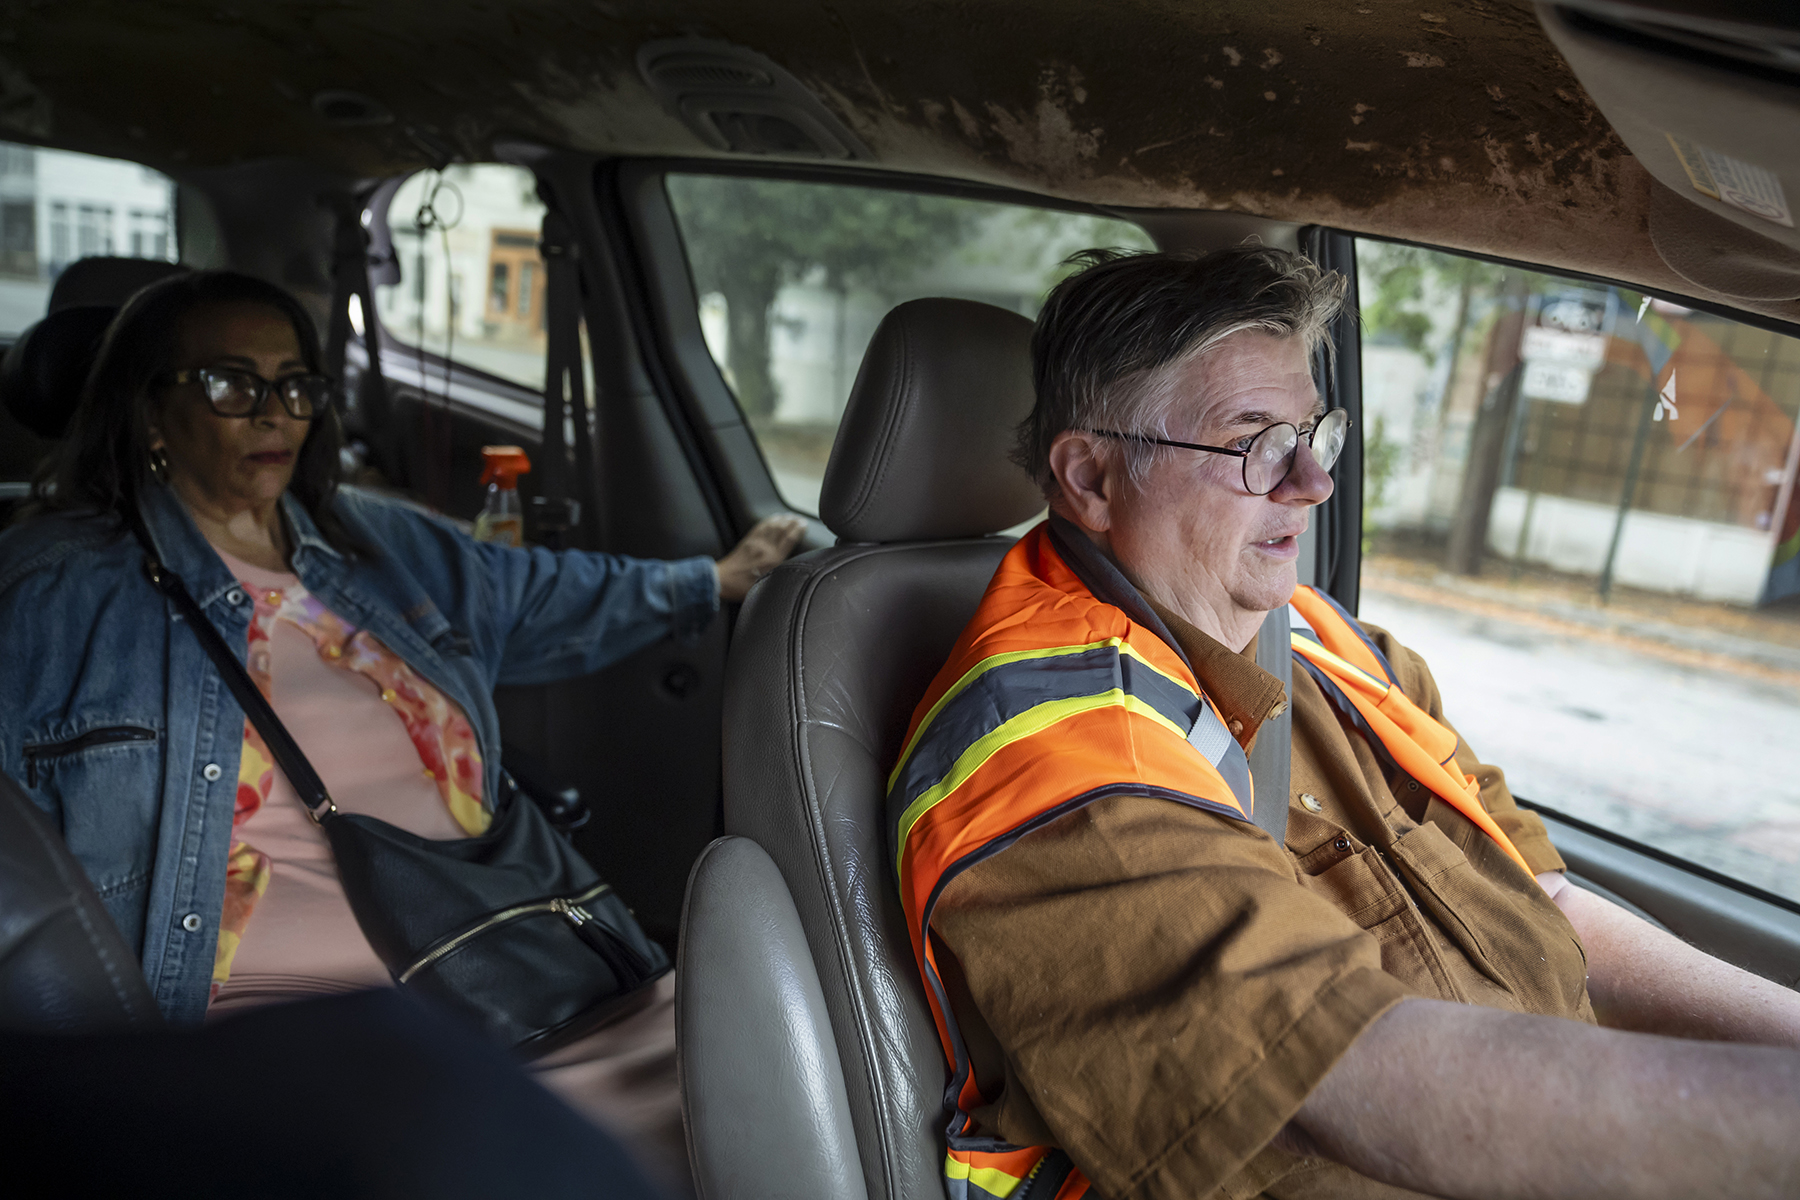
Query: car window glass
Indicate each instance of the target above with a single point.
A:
(56, 207)
(472, 284)
(1580, 507)
(792, 279)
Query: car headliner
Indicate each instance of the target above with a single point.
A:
(1454, 122)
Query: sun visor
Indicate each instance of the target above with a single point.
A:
(1708, 100)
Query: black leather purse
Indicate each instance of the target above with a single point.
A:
(512, 928)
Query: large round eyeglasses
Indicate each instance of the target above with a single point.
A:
(233, 392)
(1269, 457)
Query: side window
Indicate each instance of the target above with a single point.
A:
(56, 207)
(793, 278)
(471, 283)
(1580, 508)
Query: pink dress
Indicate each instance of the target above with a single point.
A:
(387, 743)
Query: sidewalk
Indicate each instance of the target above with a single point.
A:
(1762, 644)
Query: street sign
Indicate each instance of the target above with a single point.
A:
(1563, 383)
(1584, 350)
(1564, 344)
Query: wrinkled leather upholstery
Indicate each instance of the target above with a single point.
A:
(43, 372)
(106, 279)
(42, 375)
(919, 454)
(63, 966)
(832, 652)
(759, 1067)
(830, 655)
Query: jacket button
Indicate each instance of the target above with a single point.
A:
(191, 922)
(234, 597)
(1310, 802)
(1342, 843)
(211, 772)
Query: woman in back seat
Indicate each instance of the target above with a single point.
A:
(377, 631)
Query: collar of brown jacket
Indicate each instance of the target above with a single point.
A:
(1244, 694)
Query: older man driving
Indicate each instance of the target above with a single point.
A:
(1140, 992)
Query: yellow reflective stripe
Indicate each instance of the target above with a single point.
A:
(1315, 651)
(1031, 721)
(991, 1180)
(999, 660)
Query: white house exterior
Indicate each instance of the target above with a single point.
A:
(56, 207)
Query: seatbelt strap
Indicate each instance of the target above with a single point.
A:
(350, 277)
(1271, 758)
(565, 384)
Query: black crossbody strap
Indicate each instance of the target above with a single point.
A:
(288, 756)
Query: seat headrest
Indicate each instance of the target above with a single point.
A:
(42, 374)
(922, 450)
(106, 280)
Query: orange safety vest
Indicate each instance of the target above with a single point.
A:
(1051, 699)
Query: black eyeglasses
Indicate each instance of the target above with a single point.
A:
(1269, 457)
(233, 392)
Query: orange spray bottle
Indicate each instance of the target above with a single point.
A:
(502, 518)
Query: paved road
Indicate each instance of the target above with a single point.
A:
(1701, 763)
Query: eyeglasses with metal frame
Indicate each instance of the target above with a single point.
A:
(1269, 455)
(235, 392)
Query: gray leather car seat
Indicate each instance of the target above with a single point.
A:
(64, 968)
(810, 1064)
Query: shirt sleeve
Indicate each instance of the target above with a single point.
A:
(1161, 986)
(573, 612)
(1525, 828)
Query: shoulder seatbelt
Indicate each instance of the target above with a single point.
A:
(350, 277)
(1270, 758)
(554, 511)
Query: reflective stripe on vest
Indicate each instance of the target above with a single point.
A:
(1050, 700)
(1356, 678)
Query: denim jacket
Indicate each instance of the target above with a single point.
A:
(119, 726)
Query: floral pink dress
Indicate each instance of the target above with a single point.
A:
(388, 743)
(448, 752)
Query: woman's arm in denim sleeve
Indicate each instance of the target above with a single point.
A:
(573, 612)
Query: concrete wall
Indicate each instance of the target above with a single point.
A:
(1657, 552)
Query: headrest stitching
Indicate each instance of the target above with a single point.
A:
(891, 428)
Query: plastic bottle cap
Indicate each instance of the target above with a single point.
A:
(503, 464)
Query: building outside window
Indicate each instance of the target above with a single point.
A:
(57, 207)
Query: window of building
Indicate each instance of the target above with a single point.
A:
(93, 230)
(1580, 507)
(149, 233)
(466, 242)
(792, 279)
(499, 288)
(56, 207)
(18, 239)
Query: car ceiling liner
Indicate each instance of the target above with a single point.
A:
(1707, 96)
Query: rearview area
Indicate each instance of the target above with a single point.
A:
(1579, 505)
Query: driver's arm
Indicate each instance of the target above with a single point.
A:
(1642, 978)
(1461, 1101)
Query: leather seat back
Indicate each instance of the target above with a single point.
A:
(64, 968)
(830, 655)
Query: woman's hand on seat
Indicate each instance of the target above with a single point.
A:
(762, 550)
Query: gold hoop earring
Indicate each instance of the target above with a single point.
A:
(159, 465)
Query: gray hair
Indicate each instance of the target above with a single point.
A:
(1113, 338)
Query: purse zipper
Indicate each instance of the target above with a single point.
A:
(93, 737)
(567, 907)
